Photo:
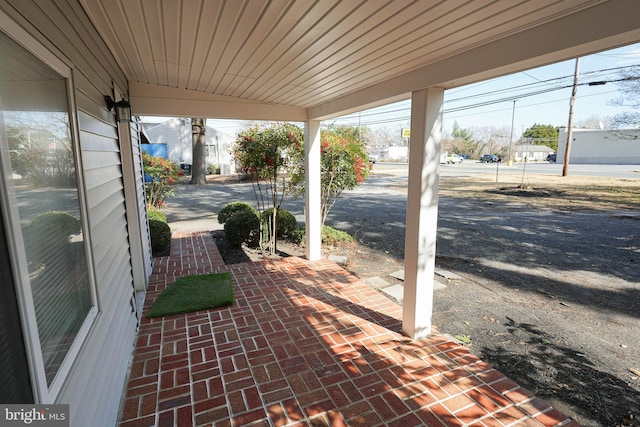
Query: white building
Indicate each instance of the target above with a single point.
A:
(176, 134)
(531, 152)
(607, 147)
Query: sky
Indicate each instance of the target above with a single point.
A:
(550, 106)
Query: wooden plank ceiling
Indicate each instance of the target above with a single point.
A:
(303, 53)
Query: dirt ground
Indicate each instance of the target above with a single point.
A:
(570, 336)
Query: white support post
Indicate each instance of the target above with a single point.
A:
(422, 211)
(312, 214)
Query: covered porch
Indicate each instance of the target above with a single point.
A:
(306, 343)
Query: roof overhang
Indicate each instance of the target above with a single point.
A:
(307, 60)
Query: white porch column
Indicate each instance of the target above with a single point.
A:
(422, 211)
(312, 215)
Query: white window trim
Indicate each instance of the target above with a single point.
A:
(43, 393)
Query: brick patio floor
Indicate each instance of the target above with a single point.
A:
(306, 343)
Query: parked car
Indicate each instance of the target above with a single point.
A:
(551, 158)
(454, 158)
(489, 158)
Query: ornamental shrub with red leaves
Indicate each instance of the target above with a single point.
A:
(160, 178)
(344, 164)
(273, 156)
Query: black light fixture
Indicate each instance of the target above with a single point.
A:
(123, 108)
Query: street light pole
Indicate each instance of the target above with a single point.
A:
(574, 91)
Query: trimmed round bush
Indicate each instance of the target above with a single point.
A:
(286, 222)
(160, 237)
(156, 214)
(58, 221)
(241, 227)
(58, 227)
(232, 208)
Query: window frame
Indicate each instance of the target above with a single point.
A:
(43, 393)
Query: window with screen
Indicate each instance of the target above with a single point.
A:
(42, 185)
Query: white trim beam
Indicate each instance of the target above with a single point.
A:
(422, 211)
(155, 100)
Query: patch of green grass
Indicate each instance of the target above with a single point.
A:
(330, 235)
(194, 293)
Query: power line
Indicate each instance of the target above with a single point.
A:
(404, 108)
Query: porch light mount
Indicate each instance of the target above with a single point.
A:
(123, 108)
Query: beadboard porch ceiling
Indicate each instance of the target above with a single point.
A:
(319, 58)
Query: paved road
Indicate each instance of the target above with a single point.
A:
(604, 243)
(473, 167)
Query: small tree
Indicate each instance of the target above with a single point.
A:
(629, 87)
(160, 178)
(543, 135)
(269, 155)
(344, 164)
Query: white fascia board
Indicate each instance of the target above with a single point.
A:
(605, 26)
(153, 100)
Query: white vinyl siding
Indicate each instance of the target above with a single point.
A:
(95, 382)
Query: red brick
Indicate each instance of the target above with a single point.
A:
(509, 415)
(406, 421)
(166, 394)
(199, 391)
(456, 403)
(534, 406)
(483, 400)
(421, 401)
(318, 408)
(212, 416)
(551, 418)
(131, 406)
(470, 414)
(252, 397)
(519, 395)
(249, 417)
(294, 412)
(366, 420)
(396, 403)
(149, 421)
(429, 419)
(354, 409)
(185, 416)
(236, 402)
(504, 386)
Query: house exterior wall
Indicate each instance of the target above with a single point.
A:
(607, 147)
(176, 133)
(93, 386)
(531, 152)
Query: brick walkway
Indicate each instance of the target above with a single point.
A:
(306, 343)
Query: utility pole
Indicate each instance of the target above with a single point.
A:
(513, 115)
(574, 91)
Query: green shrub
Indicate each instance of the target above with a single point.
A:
(160, 237)
(330, 235)
(47, 237)
(213, 169)
(60, 222)
(242, 226)
(297, 235)
(232, 208)
(286, 222)
(153, 213)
